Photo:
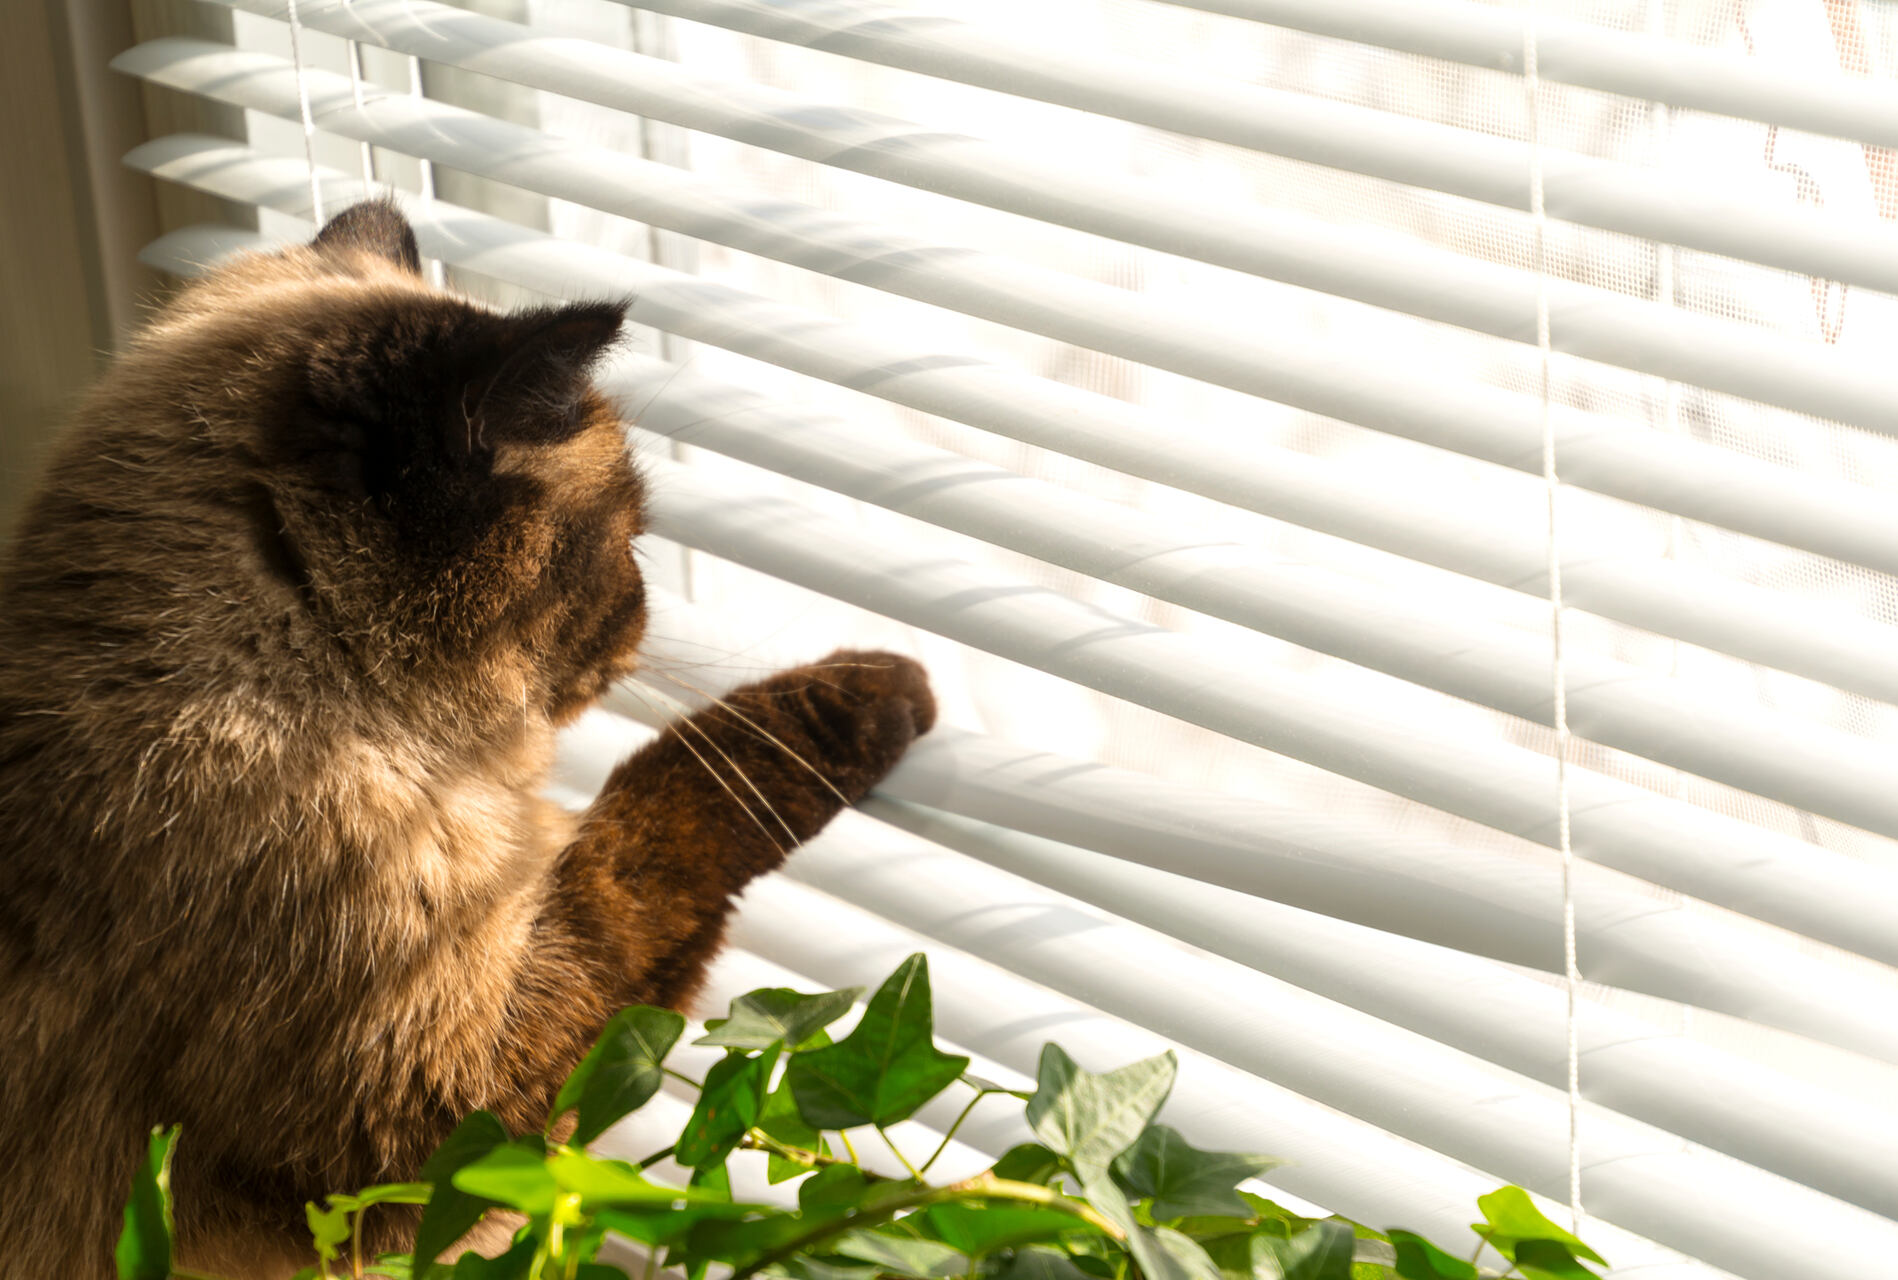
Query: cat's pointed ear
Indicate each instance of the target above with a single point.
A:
(532, 387)
(375, 227)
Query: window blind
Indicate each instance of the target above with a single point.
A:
(1169, 376)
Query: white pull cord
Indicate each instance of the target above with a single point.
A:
(368, 153)
(309, 122)
(436, 275)
(1572, 976)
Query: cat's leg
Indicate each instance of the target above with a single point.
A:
(725, 795)
(638, 903)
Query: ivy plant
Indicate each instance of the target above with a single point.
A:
(1103, 1193)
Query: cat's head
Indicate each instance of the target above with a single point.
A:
(410, 475)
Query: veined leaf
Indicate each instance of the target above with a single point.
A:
(621, 1073)
(777, 1015)
(884, 1069)
(1549, 1260)
(1182, 1179)
(144, 1248)
(903, 1255)
(329, 1227)
(512, 1265)
(1028, 1162)
(614, 1182)
(515, 1175)
(1092, 1118)
(451, 1211)
(1321, 1251)
(976, 1230)
(1039, 1262)
(730, 1102)
(783, 1121)
(802, 1267)
(1512, 1217)
(1418, 1259)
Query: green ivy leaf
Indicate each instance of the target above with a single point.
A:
(777, 1015)
(803, 1267)
(390, 1266)
(714, 1180)
(729, 1103)
(1092, 1118)
(1321, 1251)
(1182, 1179)
(1039, 1262)
(1165, 1254)
(832, 1188)
(783, 1121)
(621, 1072)
(515, 1175)
(884, 1069)
(1512, 1217)
(144, 1248)
(1418, 1259)
(980, 1229)
(451, 1212)
(1028, 1162)
(601, 1183)
(1549, 1260)
(515, 1264)
(329, 1227)
(903, 1255)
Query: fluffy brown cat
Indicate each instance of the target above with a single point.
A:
(284, 638)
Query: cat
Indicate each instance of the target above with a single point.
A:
(285, 634)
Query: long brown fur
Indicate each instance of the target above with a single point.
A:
(314, 574)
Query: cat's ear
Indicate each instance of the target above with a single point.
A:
(530, 383)
(376, 227)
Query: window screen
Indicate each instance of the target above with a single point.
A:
(1179, 380)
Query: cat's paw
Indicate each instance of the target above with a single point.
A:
(857, 710)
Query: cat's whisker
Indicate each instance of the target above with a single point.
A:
(716, 777)
(684, 712)
(766, 735)
(744, 777)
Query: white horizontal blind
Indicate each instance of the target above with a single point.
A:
(1165, 374)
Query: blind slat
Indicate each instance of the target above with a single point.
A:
(1787, 881)
(1636, 1176)
(1589, 56)
(1497, 904)
(1668, 597)
(1763, 1117)
(1672, 474)
(1358, 263)
(1510, 788)
(1612, 703)
(1338, 1161)
(1415, 153)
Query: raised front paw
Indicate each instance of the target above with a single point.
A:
(846, 719)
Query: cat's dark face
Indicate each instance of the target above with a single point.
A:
(429, 482)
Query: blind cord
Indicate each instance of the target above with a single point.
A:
(366, 154)
(303, 104)
(1571, 972)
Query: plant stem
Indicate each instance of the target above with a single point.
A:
(944, 1144)
(759, 1140)
(683, 1078)
(355, 1244)
(983, 1186)
(848, 1149)
(657, 1156)
(898, 1153)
